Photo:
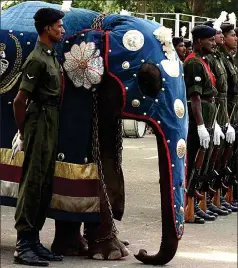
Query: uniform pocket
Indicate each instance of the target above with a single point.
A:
(52, 77)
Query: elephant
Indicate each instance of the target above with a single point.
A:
(116, 67)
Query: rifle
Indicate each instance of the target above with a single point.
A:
(209, 171)
(224, 171)
(195, 179)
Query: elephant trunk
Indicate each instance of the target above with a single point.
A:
(169, 243)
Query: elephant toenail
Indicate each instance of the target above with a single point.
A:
(115, 255)
(98, 256)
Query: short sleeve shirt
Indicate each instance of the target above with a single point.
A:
(219, 70)
(42, 73)
(197, 79)
(232, 73)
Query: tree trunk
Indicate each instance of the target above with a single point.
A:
(197, 7)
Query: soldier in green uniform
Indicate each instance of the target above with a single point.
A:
(236, 51)
(219, 70)
(230, 45)
(36, 110)
(201, 92)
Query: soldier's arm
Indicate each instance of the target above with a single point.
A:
(32, 70)
(197, 108)
(194, 85)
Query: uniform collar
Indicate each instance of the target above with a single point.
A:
(226, 53)
(49, 51)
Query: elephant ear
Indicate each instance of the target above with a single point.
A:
(83, 61)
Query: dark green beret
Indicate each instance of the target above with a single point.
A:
(209, 23)
(177, 40)
(227, 27)
(47, 16)
(236, 30)
(202, 32)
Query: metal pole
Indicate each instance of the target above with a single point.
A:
(177, 24)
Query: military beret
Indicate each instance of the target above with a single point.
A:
(202, 32)
(47, 16)
(209, 23)
(236, 30)
(227, 27)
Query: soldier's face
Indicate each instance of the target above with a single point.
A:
(208, 45)
(56, 31)
(219, 38)
(181, 50)
(230, 40)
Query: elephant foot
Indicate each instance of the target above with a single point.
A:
(79, 249)
(109, 249)
(68, 240)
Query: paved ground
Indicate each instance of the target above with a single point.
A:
(203, 246)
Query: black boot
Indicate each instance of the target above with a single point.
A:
(198, 220)
(42, 251)
(217, 210)
(211, 213)
(200, 213)
(24, 254)
(228, 205)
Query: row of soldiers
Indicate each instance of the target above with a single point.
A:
(211, 77)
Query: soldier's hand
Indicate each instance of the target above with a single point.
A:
(203, 136)
(230, 134)
(218, 134)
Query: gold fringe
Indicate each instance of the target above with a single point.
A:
(64, 170)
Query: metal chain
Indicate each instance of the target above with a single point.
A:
(119, 146)
(98, 21)
(97, 160)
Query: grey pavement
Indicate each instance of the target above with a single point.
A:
(202, 246)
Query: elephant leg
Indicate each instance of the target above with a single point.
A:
(103, 243)
(68, 240)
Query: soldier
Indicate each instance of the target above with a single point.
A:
(189, 47)
(230, 45)
(219, 70)
(201, 92)
(179, 47)
(36, 110)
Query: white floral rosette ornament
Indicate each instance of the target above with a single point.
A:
(171, 64)
(164, 35)
(84, 65)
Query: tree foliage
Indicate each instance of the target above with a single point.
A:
(210, 8)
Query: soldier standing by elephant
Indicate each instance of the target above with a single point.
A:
(217, 66)
(230, 45)
(201, 92)
(37, 122)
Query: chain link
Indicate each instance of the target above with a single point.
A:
(97, 159)
(98, 21)
(119, 146)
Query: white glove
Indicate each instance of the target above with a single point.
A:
(230, 134)
(203, 136)
(17, 145)
(218, 134)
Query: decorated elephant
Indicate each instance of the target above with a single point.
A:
(116, 66)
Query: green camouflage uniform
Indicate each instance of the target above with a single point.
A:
(232, 96)
(42, 78)
(232, 101)
(198, 81)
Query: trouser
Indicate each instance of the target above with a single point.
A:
(35, 187)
